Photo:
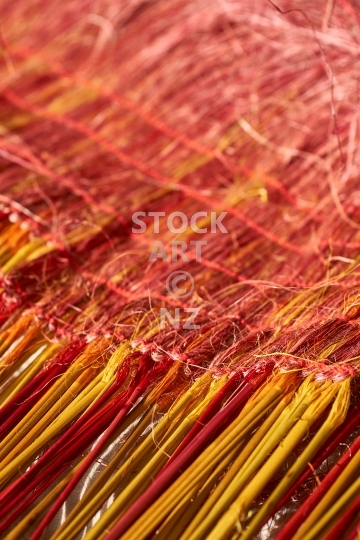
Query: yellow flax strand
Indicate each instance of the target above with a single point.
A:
(141, 455)
(13, 388)
(243, 501)
(335, 418)
(325, 507)
(202, 467)
(50, 405)
(214, 505)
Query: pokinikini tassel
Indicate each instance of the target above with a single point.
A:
(215, 426)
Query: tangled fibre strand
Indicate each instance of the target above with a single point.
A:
(117, 421)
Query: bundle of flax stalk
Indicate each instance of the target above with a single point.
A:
(180, 284)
